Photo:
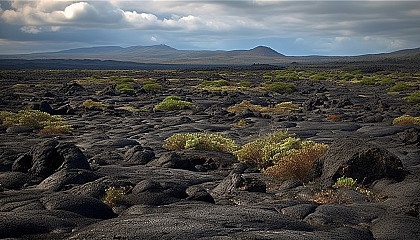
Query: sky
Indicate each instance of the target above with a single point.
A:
(294, 28)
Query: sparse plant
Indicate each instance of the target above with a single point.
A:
(367, 80)
(152, 86)
(216, 83)
(128, 108)
(413, 98)
(172, 103)
(20, 85)
(200, 141)
(331, 196)
(406, 120)
(345, 182)
(113, 195)
(92, 104)
(285, 107)
(351, 184)
(333, 118)
(240, 124)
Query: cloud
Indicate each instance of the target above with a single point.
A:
(330, 24)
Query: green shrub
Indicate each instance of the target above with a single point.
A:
(152, 86)
(217, 83)
(280, 87)
(113, 195)
(173, 103)
(125, 88)
(368, 80)
(318, 77)
(200, 141)
(414, 98)
(344, 182)
(347, 77)
(245, 84)
(282, 156)
(36, 119)
(400, 87)
(406, 120)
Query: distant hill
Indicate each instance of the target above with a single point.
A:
(163, 54)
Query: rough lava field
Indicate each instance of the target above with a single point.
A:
(108, 175)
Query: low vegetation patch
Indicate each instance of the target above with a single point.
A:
(285, 107)
(125, 87)
(216, 83)
(413, 98)
(172, 103)
(399, 87)
(333, 118)
(200, 141)
(351, 184)
(36, 119)
(152, 86)
(406, 120)
(282, 156)
(92, 104)
(279, 87)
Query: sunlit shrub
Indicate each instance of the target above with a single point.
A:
(113, 195)
(172, 103)
(282, 156)
(200, 141)
(406, 120)
(298, 164)
(36, 119)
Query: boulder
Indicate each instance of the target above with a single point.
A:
(139, 155)
(67, 178)
(86, 206)
(13, 180)
(172, 160)
(358, 159)
(44, 159)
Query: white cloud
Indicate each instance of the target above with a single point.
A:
(30, 29)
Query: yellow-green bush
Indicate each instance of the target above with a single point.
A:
(152, 86)
(279, 87)
(282, 156)
(406, 120)
(173, 103)
(35, 119)
(113, 195)
(200, 141)
(284, 107)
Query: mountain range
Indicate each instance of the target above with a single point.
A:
(163, 54)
